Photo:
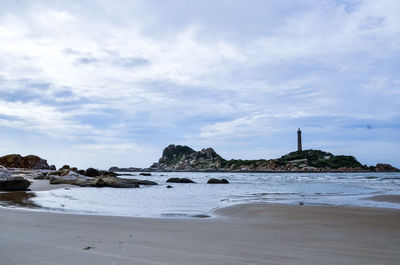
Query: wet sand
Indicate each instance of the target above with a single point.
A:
(385, 198)
(242, 234)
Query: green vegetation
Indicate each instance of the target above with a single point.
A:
(320, 159)
(174, 153)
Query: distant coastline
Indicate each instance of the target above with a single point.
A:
(178, 158)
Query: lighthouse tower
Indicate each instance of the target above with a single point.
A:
(299, 148)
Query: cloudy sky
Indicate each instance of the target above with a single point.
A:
(103, 83)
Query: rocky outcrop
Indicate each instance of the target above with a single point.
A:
(129, 169)
(67, 176)
(180, 180)
(9, 183)
(385, 168)
(184, 158)
(217, 181)
(18, 161)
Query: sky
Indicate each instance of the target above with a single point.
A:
(95, 83)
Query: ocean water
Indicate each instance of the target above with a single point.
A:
(186, 200)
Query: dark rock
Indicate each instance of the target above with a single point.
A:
(180, 180)
(120, 183)
(217, 181)
(105, 173)
(145, 174)
(385, 168)
(169, 187)
(74, 169)
(81, 171)
(92, 172)
(129, 169)
(18, 161)
(52, 167)
(14, 184)
(65, 167)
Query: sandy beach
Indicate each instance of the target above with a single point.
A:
(242, 234)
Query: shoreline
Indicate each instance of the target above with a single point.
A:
(241, 234)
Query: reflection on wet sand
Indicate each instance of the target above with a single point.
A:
(18, 199)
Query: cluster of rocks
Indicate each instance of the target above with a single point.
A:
(10, 183)
(92, 177)
(386, 168)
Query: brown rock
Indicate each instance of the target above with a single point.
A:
(18, 161)
(385, 168)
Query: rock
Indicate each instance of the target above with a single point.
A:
(169, 187)
(74, 169)
(99, 182)
(180, 180)
(120, 183)
(145, 174)
(18, 161)
(4, 172)
(144, 182)
(217, 181)
(70, 177)
(81, 171)
(14, 184)
(129, 169)
(52, 167)
(385, 168)
(65, 167)
(92, 172)
(38, 175)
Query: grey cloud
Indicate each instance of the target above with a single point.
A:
(131, 62)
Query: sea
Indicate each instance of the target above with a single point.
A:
(201, 199)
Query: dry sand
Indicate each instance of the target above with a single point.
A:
(243, 234)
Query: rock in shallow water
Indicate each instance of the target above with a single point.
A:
(180, 180)
(217, 181)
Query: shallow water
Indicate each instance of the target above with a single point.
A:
(201, 198)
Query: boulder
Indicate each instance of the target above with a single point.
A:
(145, 174)
(14, 184)
(217, 181)
(18, 161)
(385, 168)
(92, 172)
(180, 180)
(117, 182)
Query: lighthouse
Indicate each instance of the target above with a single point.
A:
(299, 148)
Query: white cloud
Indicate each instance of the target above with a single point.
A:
(115, 73)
